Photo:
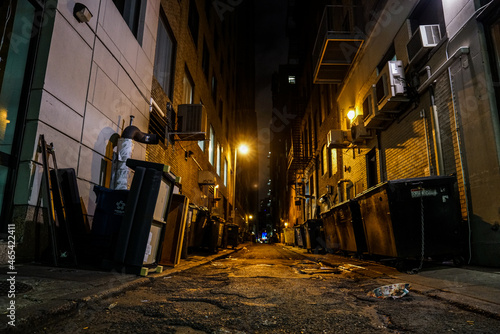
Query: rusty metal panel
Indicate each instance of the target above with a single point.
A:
(374, 206)
(331, 237)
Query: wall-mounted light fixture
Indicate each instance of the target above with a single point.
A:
(351, 113)
(82, 13)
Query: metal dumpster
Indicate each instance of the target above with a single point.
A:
(314, 235)
(331, 237)
(393, 212)
(349, 227)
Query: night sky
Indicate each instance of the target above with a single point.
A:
(270, 51)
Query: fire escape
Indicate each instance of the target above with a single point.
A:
(337, 43)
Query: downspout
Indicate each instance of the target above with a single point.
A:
(436, 130)
(125, 148)
(427, 144)
(341, 193)
(381, 157)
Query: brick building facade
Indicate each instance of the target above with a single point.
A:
(444, 123)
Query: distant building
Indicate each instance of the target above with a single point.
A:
(78, 74)
(420, 79)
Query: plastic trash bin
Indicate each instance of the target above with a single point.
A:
(314, 235)
(231, 235)
(299, 236)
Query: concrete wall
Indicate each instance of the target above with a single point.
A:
(478, 128)
(95, 76)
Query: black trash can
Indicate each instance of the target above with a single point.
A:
(231, 232)
(108, 216)
(314, 235)
(394, 213)
(109, 211)
(299, 236)
(213, 235)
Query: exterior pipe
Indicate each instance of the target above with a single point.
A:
(132, 132)
(341, 194)
(461, 51)
(125, 148)
(438, 147)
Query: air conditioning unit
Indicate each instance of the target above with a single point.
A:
(192, 122)
(338, 138)
(425, 38)
(372, 117)
(358, 130)
(390, 88)
(206, 177)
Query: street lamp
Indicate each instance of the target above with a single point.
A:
(244, 150)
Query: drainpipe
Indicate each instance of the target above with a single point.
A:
(341, 193)
(125, 148)
(436, 130)
(427, 144)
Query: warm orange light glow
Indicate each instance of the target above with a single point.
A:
(243, 149)
(250, 217)
(351, 113)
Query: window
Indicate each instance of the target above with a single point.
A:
(324, 160)
(225, 172)
(333, 162)
(21, 23)
(188, 88)
(133, 12)
(211, 148)
(218, 163)
(291, 79)
(165, 57)
(193, 21)
(371, 168)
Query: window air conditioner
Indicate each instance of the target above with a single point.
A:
(192, 121)
(338, 138)
(372, 117)
(358, 130)
(390, 88)
(425, 38)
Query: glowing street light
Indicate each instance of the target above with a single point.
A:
(243, 148)
(351, 113)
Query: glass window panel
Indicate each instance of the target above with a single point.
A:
(14, 53)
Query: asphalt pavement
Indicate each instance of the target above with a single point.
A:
(35, 294)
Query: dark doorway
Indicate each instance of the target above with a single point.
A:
(371, 168)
